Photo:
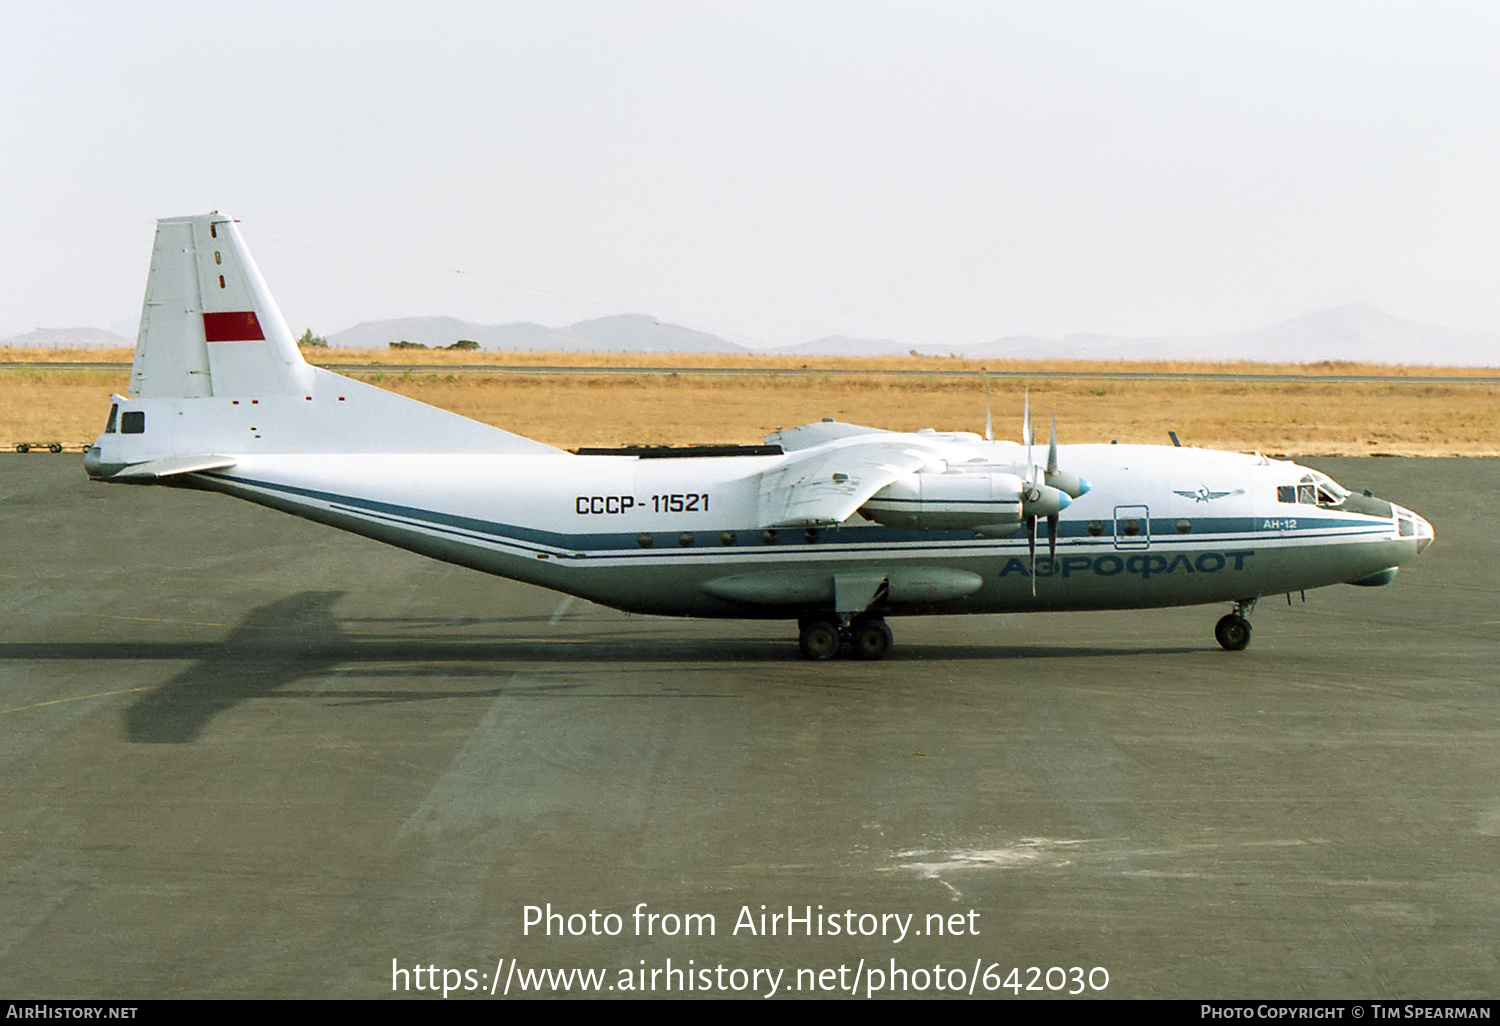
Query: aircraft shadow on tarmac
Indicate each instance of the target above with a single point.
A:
(275, 645)
(299, 638)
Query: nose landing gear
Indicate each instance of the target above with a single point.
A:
(1233, 630)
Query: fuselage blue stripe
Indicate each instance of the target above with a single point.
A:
(871, 540)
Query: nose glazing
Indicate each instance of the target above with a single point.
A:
(1410, 525)
(1425, 533)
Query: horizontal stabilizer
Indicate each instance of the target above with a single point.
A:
(155, 469)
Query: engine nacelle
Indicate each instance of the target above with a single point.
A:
(1044, 501)
(987, 503)
(1072, 484)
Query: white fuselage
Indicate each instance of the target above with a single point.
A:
(1160, 527)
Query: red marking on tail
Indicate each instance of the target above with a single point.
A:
(239, 326)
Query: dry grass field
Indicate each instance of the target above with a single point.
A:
(1403, 416)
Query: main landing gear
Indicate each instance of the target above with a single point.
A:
(822, 637)
(1233, 630)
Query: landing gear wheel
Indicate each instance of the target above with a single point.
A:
(1233, 632)
(819, 639)
(870, 639)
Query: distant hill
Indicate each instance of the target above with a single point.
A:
(840, 345)
(640, 333)
(621, 333)
(69, 338)
(1360, 333)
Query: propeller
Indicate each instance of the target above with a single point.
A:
(1047, 498)
(1033, 493)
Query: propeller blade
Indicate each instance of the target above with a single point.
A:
(1052, 448)
(1026, 435)
(989, 431)
(1031, 550)
(1052, 537)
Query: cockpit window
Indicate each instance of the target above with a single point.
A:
(1313, 490)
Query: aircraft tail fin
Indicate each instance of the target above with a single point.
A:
(209, 326)
(218, 376)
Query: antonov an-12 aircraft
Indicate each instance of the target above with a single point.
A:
(833, 525)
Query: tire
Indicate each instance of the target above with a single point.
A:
(871, 639)
(819, 639)
(1233, 632)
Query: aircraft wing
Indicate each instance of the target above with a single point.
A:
(808, 436)
(826, 484)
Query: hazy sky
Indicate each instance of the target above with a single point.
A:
(772, 172)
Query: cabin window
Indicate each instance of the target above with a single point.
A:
(114, 417)
(1286, 493)
(133, 422)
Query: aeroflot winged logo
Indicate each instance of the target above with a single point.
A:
(1204, 495)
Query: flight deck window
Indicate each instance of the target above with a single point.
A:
(1318, 490)
(133, 422)
(1286, 493)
